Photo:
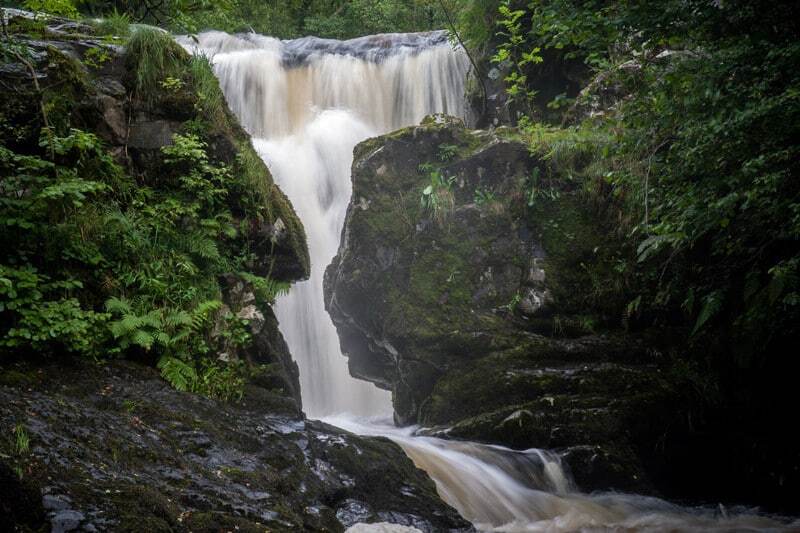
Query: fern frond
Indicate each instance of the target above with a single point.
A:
(162, 338)
(118, 329)
(201, 313)
(179, 374)
(180, 336)
(207, 249)
(118, 305)
(177, 318)
(143, 339)
(132, 322)
(152, 319)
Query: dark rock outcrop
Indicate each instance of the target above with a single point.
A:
(90, 84)
(114, 448)
(469, 313)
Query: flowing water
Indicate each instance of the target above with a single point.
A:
(307, 103)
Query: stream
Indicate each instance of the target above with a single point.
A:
(307, 103)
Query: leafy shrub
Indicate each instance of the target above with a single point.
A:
(61, 8)
(97, 263)
(685, 142)
(266, 289)
(96, 57)
(483, 196)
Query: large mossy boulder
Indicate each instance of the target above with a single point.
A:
(472, 311)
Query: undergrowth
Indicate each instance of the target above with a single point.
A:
(102, 258)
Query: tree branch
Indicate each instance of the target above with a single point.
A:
(478, 73)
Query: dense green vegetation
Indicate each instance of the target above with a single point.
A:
(690, 124)
(338, 19)
(103, 256)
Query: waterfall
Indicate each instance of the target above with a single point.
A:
(306, 108)
(307, 103)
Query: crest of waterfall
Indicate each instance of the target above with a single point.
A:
(307, 103)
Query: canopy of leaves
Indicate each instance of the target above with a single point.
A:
(340, 19)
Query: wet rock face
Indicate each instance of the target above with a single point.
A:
(470, 315)
(115, 449)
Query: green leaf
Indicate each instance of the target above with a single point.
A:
(711, 306)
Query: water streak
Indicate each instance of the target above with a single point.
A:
(307, 103)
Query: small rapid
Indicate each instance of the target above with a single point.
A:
(307, 103)
(505, 490)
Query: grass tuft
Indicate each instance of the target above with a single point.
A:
(153, 56)
(211, 101)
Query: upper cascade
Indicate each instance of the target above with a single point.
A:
(388, 81)
(375, 48)
(307, 103)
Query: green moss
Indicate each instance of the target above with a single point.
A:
(143, 508)
(214, 521)
(266, 198)
(21, 118)
(493, 382)
(583, 259)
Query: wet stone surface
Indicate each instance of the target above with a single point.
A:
(114, 448)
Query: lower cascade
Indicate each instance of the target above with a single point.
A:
(307, 103)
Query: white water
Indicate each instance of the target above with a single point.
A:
(307, 103)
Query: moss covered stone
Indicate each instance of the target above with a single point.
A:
(482, 318)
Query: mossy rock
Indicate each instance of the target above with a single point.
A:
(489, 316)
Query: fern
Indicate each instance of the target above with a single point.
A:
(267, 289)
(712, 304)
(204, 247)
(182, 376)
(151, 319)
(118, 305)
(162, 338)
(132, 329)
(142, 338)
(202, 312)
(177, 319)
